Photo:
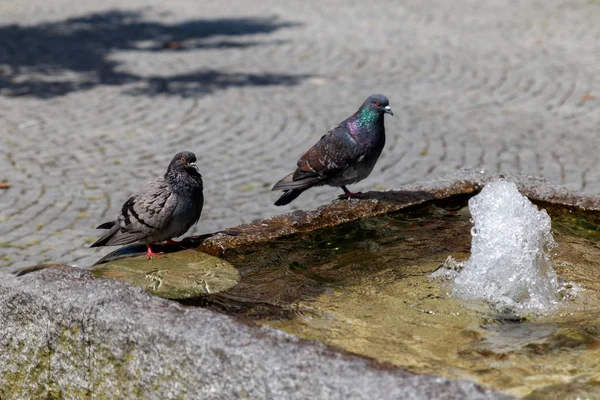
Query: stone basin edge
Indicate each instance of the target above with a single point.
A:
(466, 182)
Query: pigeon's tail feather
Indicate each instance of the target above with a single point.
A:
(282, 184)
(115, 237)
(103, 241)
(293, 188)
(106, 225)
(288, 183)
(122, 238)
(288, 196)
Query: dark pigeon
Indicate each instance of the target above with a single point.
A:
(162, 209)
(345, 155)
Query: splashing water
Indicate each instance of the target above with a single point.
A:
(510, 264)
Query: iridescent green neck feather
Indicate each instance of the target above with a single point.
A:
(368, 117)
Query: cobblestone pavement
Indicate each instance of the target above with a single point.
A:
(96, 97)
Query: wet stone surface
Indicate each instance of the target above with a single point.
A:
(96, 97)
(190, 274)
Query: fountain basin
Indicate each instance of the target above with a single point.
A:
(364, 287)
(359, 286)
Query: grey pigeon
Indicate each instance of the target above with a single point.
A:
(162, 209)
(345, 155)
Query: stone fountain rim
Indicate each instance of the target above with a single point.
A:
(462, 182)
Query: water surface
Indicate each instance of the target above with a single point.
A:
(363, 287)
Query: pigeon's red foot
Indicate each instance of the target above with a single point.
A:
(349, 195)
(151, 254)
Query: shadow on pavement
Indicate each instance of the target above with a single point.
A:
(55, 58)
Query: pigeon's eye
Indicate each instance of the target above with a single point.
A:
(378, 103)
(182, 159)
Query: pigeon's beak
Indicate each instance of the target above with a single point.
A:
(193, 165)
(388, 110)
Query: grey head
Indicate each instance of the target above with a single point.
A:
(183, 161)
(377, 103)
(183, 174)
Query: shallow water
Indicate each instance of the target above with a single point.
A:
(363, 287)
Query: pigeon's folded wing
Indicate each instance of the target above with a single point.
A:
(145, 214)
(332, 155)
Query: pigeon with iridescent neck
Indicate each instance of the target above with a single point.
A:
(162, 209)
(345, 155)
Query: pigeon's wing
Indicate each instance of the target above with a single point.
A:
(145, 214)
(331, 155)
